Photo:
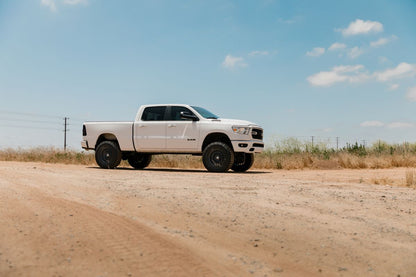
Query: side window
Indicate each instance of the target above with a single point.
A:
(175, 113)
(154, 114)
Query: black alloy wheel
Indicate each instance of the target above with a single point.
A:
(218, 157)
(139, 160)
(108, 155)
(243, 162)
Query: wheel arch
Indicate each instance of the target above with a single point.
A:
(106, 137)
(216, 137)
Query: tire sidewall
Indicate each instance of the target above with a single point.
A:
(108, 155)
(246, 165)
(218, 157)
(139, 160)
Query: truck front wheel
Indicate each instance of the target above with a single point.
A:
(139, 160)
(108, 154)
(218, 157)
(243, 162)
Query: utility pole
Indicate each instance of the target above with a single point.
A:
(337, 142)
(312, 141)
(65, 130)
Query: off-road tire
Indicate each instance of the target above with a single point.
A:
(108, 154)
(218, 157)
(139, 160)
(243, 163)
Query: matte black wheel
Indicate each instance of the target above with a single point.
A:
(139, 160)
(218, 157)
(243, 162)
(108, 154)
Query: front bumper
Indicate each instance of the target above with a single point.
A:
(248, 146)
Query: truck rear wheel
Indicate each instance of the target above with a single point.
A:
(139, 160)
(243, 162)
(108, 154)
(218, 157)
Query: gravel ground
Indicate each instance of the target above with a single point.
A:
(68, 220)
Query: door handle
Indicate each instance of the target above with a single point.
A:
(171, 125)
(141, 125)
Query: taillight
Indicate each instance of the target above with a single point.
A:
(84, 130)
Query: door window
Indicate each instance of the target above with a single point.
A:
(175, 113)
(154, 113)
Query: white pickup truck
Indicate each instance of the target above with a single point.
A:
(175, 129)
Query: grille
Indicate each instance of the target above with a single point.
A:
(257, 133)
(258, 145)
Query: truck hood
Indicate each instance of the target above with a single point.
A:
(234, 122)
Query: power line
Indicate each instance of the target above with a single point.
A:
(29, 127)
(30, 114)
(41, 115)
(29, 120)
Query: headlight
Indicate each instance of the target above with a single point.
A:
(241, 130)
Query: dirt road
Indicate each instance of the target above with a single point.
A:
(66, 220)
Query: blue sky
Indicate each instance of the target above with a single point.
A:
(299, 68)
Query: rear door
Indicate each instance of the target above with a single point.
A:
(150, 130)
(182, 135)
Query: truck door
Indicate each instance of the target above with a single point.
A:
(181, 134)
(150, 130)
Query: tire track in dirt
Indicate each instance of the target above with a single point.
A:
(74, 220)
(98, 242)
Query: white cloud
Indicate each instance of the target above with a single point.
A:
(403, 70)
(400, 125)
(316, 52)
(355, 52)
(360, 26)
(75, 2)
(355, 73)
(338, 74)
(50, 4)
(394, 86)
(379, 42)
(326, 79)
(392, 125)
(411, 94)
(258, 53)
(348, 68)
(382, 41)
(372, 123)
(337, 46)
(231, 62)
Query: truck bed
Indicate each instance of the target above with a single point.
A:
(123, 130)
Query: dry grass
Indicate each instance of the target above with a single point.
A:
(47, 155)
(266, 160)
(411, 178)
(333, 161)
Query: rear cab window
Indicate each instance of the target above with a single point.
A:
(156, 113)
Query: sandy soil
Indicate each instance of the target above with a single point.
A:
(66, 220)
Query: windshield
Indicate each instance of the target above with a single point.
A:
(205, 113)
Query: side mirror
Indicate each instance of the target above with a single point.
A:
(189, 116)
